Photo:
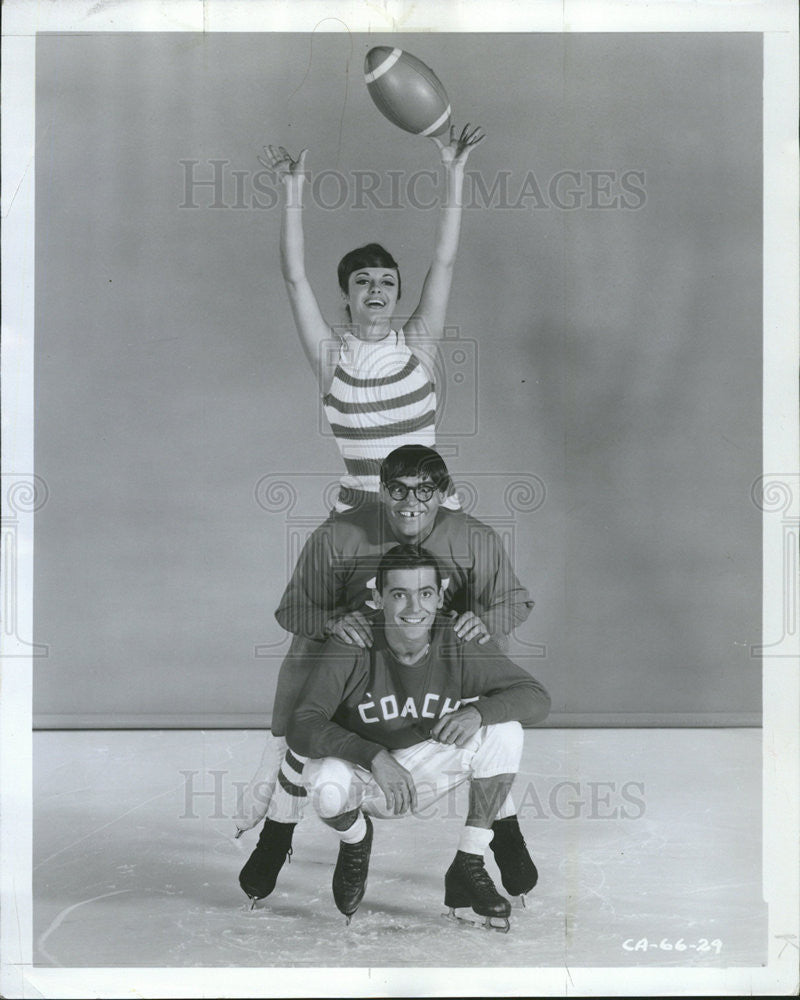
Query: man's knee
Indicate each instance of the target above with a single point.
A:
(500, 751)
(511, 735)
(330, 783)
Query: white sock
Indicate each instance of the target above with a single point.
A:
(355, 833)
(474, 840)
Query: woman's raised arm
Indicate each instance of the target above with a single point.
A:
(426, 326)
(313, 330)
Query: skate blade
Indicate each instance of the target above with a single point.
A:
(348, 916)
(238, 834)
(503, 925)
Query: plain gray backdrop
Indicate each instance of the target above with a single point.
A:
(607, 357)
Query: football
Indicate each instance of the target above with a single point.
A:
(406, 91)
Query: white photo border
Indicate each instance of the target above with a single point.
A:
(776, 21)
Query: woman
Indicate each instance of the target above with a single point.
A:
(378, 389)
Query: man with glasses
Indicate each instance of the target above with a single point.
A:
(331, 586)
(330, 594)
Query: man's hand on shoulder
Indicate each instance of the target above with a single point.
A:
(469, 626)
(458, 727)
(396, 783)
(352, 628)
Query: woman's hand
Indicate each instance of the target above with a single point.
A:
(458, 148)
(282, 163)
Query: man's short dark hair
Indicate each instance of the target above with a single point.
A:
(406, 557)
(412, 460)
(371, 255)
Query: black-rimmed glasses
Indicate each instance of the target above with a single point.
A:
(399, 491)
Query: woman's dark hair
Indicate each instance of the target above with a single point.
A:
(411, 460)
(406, 557)
(371, 255)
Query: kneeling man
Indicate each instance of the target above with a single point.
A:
(393, 727)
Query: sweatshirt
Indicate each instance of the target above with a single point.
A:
(360, 701)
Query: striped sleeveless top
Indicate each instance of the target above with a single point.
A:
(380, 398)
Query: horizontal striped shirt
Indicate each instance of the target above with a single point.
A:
(381, 397)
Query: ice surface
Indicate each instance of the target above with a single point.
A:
(135, 862)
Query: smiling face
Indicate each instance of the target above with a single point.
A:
(372, 295)
(410, 599)
(411, 519)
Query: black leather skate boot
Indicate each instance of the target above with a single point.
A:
(260, 873)
(517, 870)
(467, 883)
(350, 874)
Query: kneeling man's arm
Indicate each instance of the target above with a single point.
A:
(311, 730)
(505, 692)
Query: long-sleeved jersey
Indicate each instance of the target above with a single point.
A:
(359, 701)
(339, 561)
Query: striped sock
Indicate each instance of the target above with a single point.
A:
(252, 803)
(289, 797)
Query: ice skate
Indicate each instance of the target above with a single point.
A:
(517, 871)
(260, 873)
(467, 884)
(350, 874)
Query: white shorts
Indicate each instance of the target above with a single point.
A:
(336, 786)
